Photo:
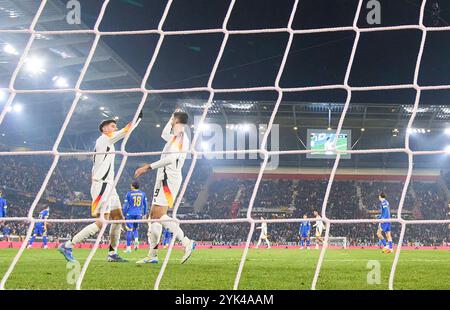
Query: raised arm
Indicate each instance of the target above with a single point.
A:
(175, 146)
(167, 131)
(120, 134)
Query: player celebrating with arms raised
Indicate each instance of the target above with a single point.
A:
(386, 226)
(135, 206)
(104, 195)
(168, 182)
(305, 228)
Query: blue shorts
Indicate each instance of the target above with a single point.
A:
(133, 217)
(385, 227)
(40, 231)
(305, 235)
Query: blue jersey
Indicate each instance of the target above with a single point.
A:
(167, 234)
(43, 215)
(6, 231)
(305, 227)
(384, 206)
(3, 207)
(135, 203)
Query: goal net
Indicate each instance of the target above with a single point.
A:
(263, 150)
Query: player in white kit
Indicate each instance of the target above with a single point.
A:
(263, 235)
(319, 229)
(104, 195)
(168, 181)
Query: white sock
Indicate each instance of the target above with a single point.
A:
(114, 236)
(154, 233)
(85, 233)
(175, 229)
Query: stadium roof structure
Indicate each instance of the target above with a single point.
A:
(315, 114)
(65, 50)
(65, 55)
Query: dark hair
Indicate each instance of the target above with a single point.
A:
(135, 184)
(105, 123)
(382, 195)
(182, 117)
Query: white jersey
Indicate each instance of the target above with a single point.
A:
(328, 145)
(264, 228)
(319, 224)
(104, 195)
(103, 168)
(171, 164)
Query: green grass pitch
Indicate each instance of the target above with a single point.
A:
(216, 269)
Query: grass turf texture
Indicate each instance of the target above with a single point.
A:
(216, 269)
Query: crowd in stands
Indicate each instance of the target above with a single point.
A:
(21, 178)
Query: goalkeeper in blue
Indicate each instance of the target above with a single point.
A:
(135, 206)
(40, 228)
(304, 231)
(384, 227)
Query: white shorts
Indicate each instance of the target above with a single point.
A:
(263, 236)
(100, 200)
(319, 232)
(165, 192)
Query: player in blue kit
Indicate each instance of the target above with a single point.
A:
(40, 228)
(304, 231)
(6, 232)
(384, 227)
(167, 237)
(3, 206)
(135, 206)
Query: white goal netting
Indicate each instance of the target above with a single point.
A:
(212, 92)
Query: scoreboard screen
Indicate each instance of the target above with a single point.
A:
(320, 141)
